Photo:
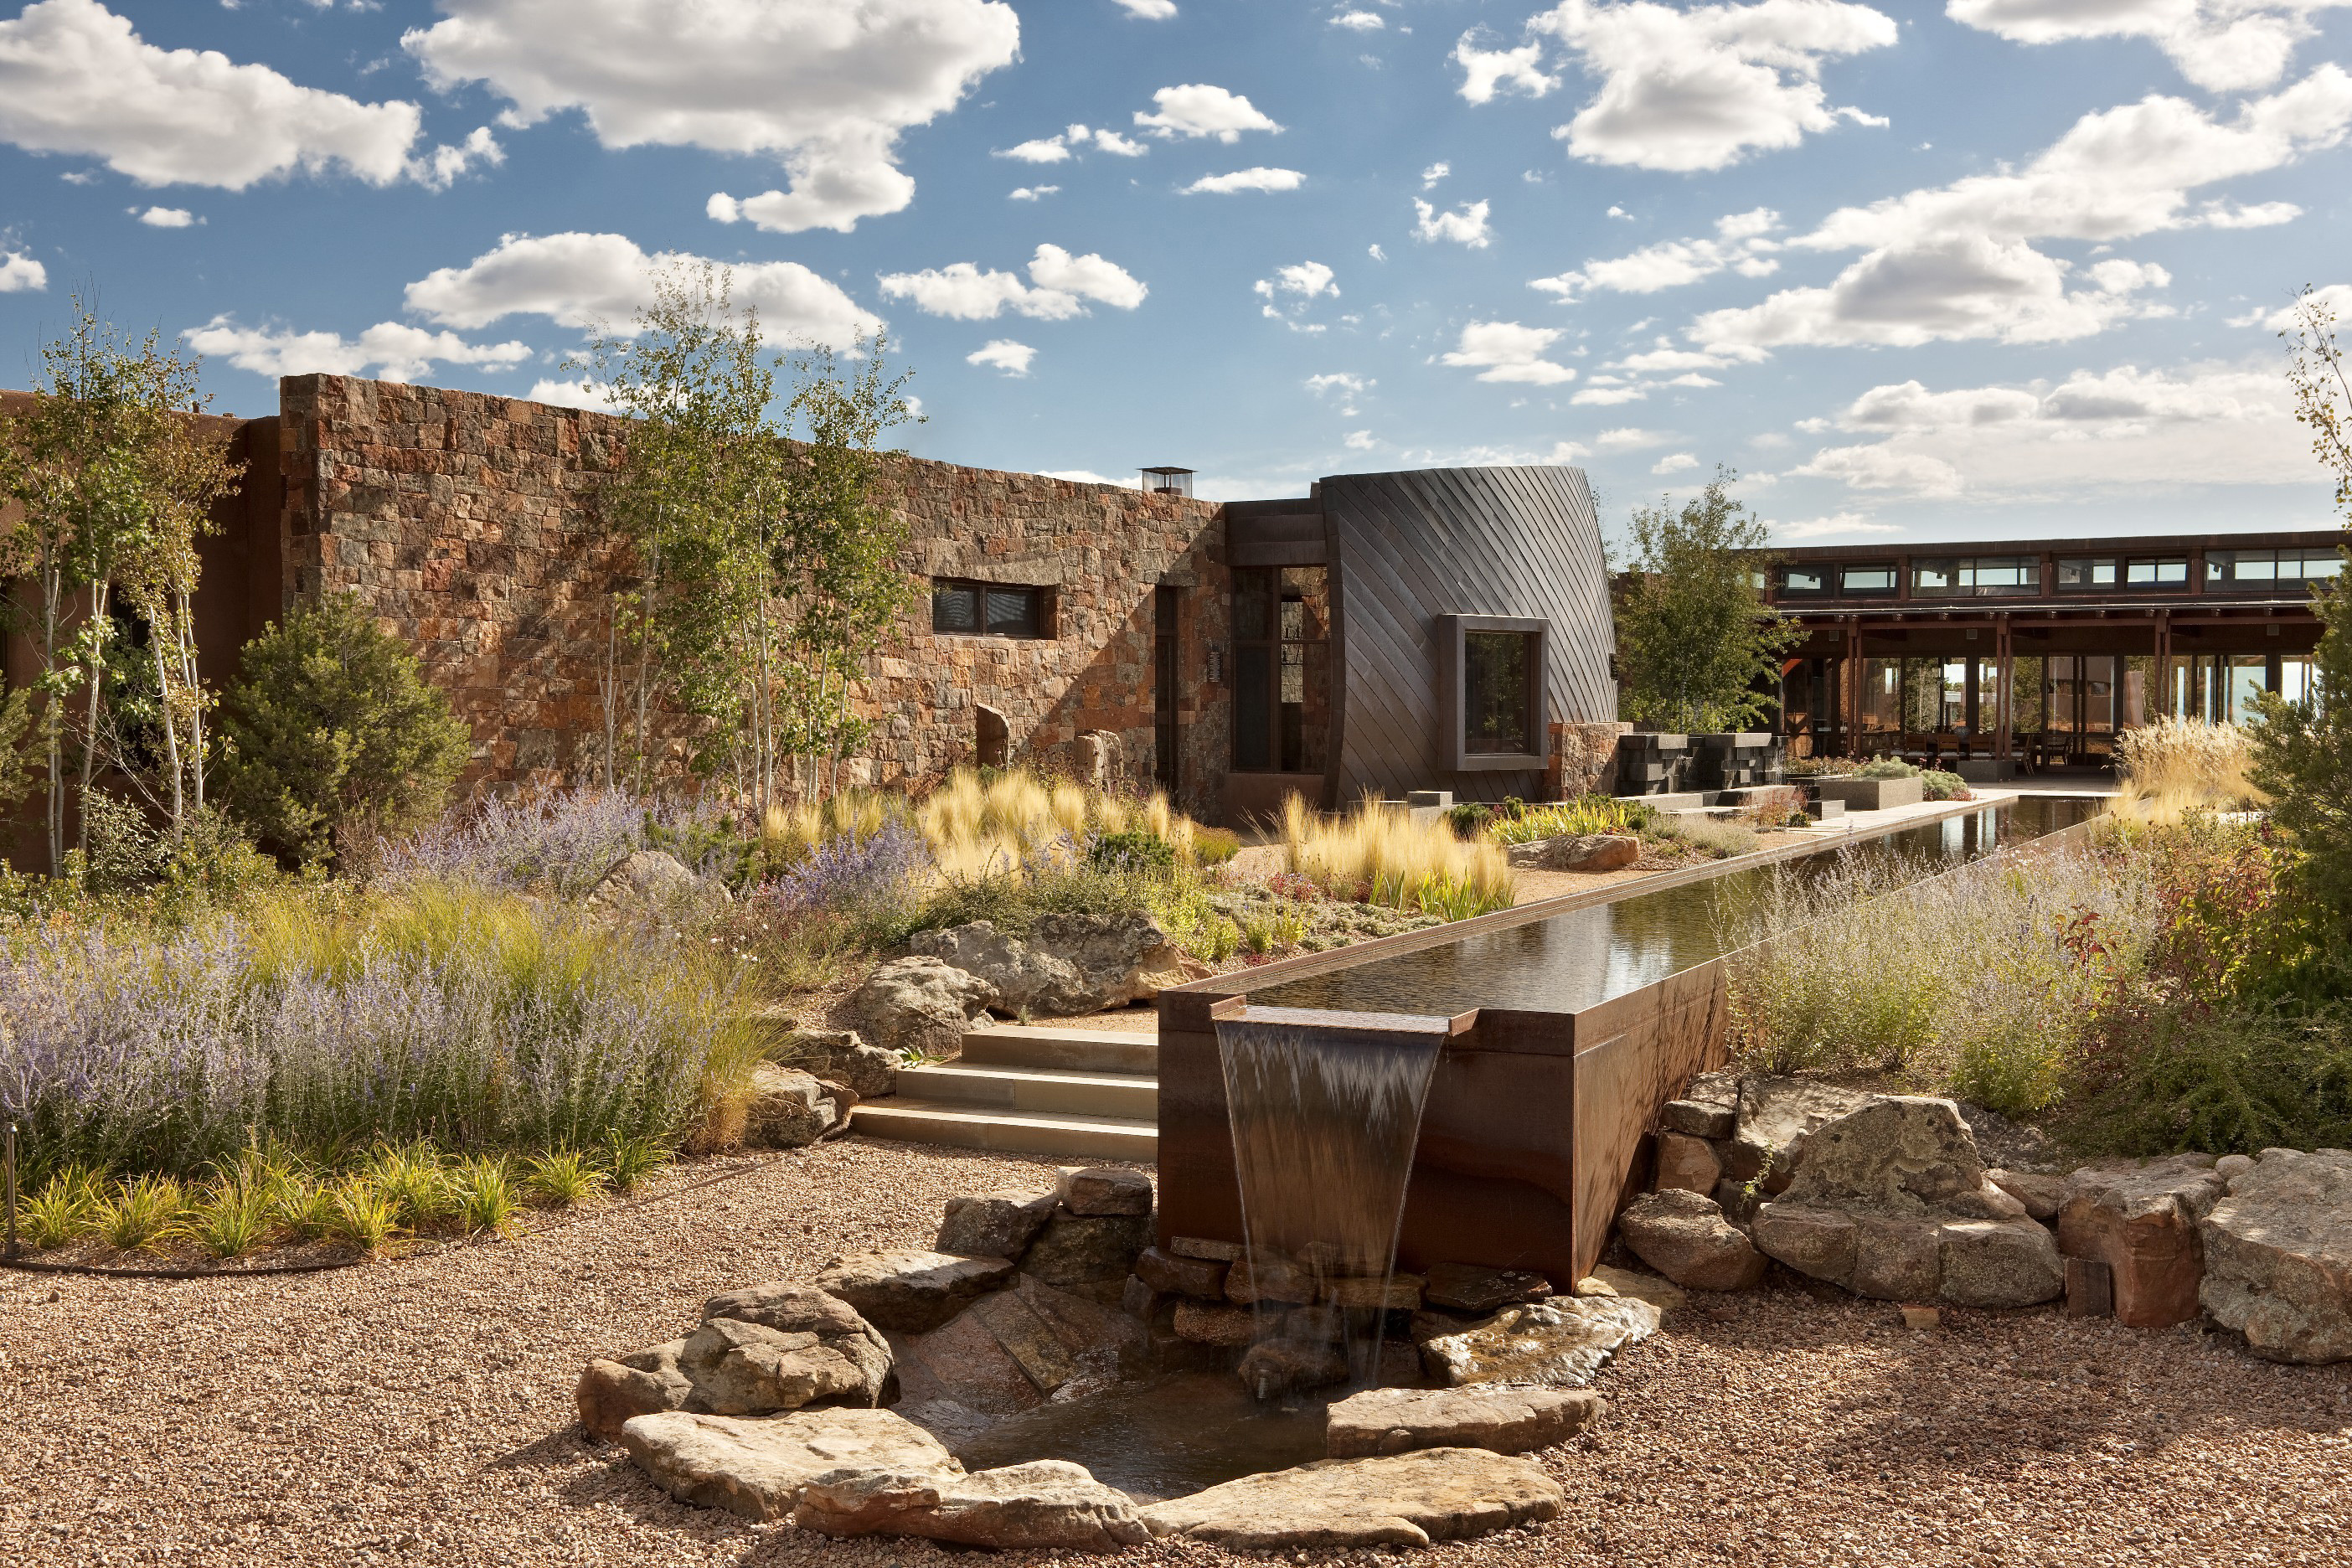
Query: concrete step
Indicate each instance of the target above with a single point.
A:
(1062, 1050)
(981, 1086)
(1064, 1136)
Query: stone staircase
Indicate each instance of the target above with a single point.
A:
(1089, 1094)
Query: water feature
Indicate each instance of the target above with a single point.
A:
(1589, 955)
(1162, 1436)
(1325, 1111)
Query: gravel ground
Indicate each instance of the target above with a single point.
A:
(420, 1412)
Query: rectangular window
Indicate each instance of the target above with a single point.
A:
(1804, 580)
(1498, 693)
(2086, 573)
(1933, 579)
(2260, 568)
(2166, 571)
(988, 609)
(1856, 582)
(1282, 711)
(1978, 577)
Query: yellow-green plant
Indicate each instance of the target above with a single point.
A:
(412, 1177)
(485, 1196)
(563, 1177)
(63, 1210)
(2175, 767)
(303, 1205)
(229, 1219)
(629, 1161)
(141, 1213)
(361, 1215)
(1380, 855)
(1576, 818)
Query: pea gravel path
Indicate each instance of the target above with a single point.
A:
(420, 1412)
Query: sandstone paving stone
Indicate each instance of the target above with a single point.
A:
(994, 1225)
(1683, 1235)
(1206, 1247)
(757, 1467)
(1606, 1279)
(1046, 1503)
(1503, 1420)
(749, 1369)
(2041, 1193)
(1207, 1324)
(1710, 1120)
(2141, 1220)
(1561, 1343)
(1269, 1277)
(961, 1360)
(913, 1291)
(1027, 1338)
(2278, 1257)
(1396, 1293)
(1401, 1500)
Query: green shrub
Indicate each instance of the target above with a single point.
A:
(2224, 1082)
(1469, 819)
(1136, 851)
(1938, 785)
(331, 729)
(1887, 768)
(1214, 846)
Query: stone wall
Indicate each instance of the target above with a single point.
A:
(470, 525)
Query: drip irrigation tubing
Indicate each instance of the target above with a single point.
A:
(265, 1270)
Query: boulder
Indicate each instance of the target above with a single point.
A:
(2278, 1257)
(1773, 1116)
(1891, 1201)
(1502, 1420)
(651, 880)
(1201, 1279)
(1559, 1342)
(1269, 1276)
(1692, 1118)
(789, 1109)
(2141, 1221)
(1466, 1288)
(1084, 1250)
(1588, 852)
(1690, 1163)
(1204, 1247)
(1395, 1293)
(1206, 1324)
(1400, 1500)
(910, 1291)
(1049, 1503)
(994, 1225)
(2042, 1194)
(920, 1004)
(1097, 1190)
(1275, 1367)
(1682, 1235)
(1070, 963)
(840, 1056)
(758, 1468)
(770, 1348)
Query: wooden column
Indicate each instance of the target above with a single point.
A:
(1852, 730)
(2004, 652)
(2160, 707)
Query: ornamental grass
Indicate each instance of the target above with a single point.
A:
(1379, 854)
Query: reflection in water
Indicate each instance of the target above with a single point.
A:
(1586, 956)
(1165, 1436)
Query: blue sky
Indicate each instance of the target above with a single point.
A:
(2004, 267)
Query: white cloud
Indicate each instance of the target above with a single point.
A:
(825, 88)
(1360, 21)
(1375, 252)
(1955, 261)
(1698, 89)
(1486, 72)
(1507, 351)
(1340, 381)
(1675, 463)
(168, 218)
(1629, 438)
(2222, 46)
(1124, 146)
(1835, 524)
(1465, 224)
(1609, 396)
(1740, 244)
(1087, 476)
(76, 78)
(1360, 441)
(1063, 284)
(1030, 193)
(2335, 297)
(1434, 172)
(1150, 11)
(1258, 179)
(21, 274)
(583, 279)
(579, 393)
(447, 164)
(398, 353)
(1307, 280)
(1004, 355)
(1046, 150)
(2121, 430)
(1197, 109)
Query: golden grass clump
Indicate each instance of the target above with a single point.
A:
(2175, 767)
(978, 828)
(1380, 855)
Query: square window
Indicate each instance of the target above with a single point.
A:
(955, 607)
(1012, 612)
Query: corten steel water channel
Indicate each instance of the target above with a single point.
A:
(1572, 1021)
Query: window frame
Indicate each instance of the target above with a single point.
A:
(1453, 707)
(2157, 584)
(1894, 587)
(2114, 563)
(1820, 589)
(1041, 620)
